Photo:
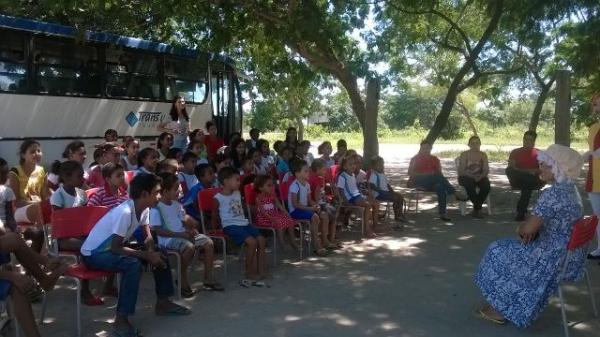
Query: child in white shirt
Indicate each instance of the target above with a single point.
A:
(382, 190)
(177, 231)
(69, 194)
(229, 210)
(7, 197)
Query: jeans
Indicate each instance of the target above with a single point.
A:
(435, 183)
(130, 269)
(471, 186)
(525, 182)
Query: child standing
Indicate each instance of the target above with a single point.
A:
(105, 249)
(187, 176)
(271, 213)
(346, 184)
(325, 150)
(229, 210)
(178, 232)
(382, 190)
(7, 197)
(303, 207)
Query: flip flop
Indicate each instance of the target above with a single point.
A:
(260, 284)
(487, 317)
(246, 283)
(176, 310)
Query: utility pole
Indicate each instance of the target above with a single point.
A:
(562, 111)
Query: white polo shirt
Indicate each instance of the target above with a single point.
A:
(120, 221)
(302, 190)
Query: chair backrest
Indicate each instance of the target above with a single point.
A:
(583, 233)
(91, 191)
(284, 189)
(250, 194)
(46, 211)
(76, 222)
(206, 199)
(129, 176)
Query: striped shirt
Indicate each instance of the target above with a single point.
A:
(103, 197)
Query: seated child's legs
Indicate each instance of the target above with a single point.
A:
(22, 311)
(315, 222)
(324, 227)
(131, 272)
(72, 244)
(36, 235)
(302, 214)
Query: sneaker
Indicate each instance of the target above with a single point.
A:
(594, 255)
(445, 218)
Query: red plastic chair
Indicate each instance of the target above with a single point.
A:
(583, 233)
(206, 204)
(74, 223)
(250, 197)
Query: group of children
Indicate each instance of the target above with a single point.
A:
(152, 194)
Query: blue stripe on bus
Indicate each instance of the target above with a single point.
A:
(131, 42)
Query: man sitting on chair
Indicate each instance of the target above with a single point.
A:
(425, 172)
(523, 172)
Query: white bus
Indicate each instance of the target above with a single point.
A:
(58, 84)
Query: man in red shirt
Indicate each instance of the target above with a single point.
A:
(523, 172)
(425, 171)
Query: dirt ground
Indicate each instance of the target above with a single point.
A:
(417, 282)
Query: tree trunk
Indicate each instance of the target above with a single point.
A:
(539, 105)
(369, 130)
(300, 128)
(455, 87)
(465, 111)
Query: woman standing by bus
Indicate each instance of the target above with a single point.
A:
(592, 184)
(179, 125)
(28, 181)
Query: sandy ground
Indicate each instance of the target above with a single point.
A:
(417, 282)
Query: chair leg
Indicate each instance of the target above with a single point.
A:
(590, 290)
(463, 207)
(489, 204)
(44, 307)
(178, 273)
(78, 294)
(274, 247)
(563, 312)
(224, 258)
(300, 246)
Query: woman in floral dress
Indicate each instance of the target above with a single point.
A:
(518, 276)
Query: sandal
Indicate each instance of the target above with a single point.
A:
(321, 252)
(187, 293)
(246, 283)
(260, 284)
(213, 286)
(481, 313)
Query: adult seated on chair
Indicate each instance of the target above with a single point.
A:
(523, 171)
(518, 276)
(473, 172)
(425, 172)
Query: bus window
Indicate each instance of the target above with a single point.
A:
(187, 79)
(63, 68)
(133, 76)
(12, 64)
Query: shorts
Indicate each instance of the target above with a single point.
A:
(357, 198)
(302, 214)
(385, 196)
(179, 244)
(239, 234)
(21, 214)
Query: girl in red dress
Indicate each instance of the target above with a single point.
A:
(271, 213)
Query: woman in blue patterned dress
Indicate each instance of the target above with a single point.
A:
(518, 276)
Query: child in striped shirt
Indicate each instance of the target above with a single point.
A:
(114, 191)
